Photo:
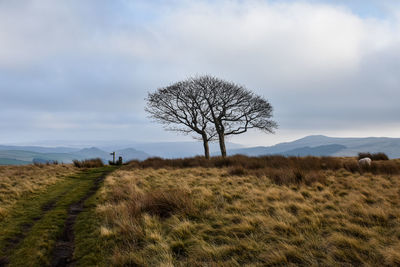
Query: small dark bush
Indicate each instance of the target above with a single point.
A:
(380, 156)
(375, 156)
(88, 163)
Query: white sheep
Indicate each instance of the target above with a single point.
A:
(364, 162)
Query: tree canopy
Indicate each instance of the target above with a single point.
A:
(210, 107)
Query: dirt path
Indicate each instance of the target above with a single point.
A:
(31, 233)
(64, 248)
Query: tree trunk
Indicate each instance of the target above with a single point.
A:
(221, 137)
(206, 148)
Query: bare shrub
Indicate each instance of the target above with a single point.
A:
(380, 156)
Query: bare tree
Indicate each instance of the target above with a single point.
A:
(179, 107)
(210, 107)
(232, 108)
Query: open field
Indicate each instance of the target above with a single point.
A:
(198, 216)
(237, 211)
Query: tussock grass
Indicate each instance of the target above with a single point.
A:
(227, 216)
(18, 181)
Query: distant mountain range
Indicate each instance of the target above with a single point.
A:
(18, 155)
(315, 145)
(320, 145)
(28, 155)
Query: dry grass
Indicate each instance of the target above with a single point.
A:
(228, 217)
(18, 181)
(257, 165)
(281, 170)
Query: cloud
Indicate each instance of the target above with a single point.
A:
(322, 66)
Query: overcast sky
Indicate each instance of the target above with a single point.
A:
(79, 70)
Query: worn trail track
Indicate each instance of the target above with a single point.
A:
(64, 248)
(14, 241)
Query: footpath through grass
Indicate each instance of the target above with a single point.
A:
(29, 233)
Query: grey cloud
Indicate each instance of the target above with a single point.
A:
(74, 68)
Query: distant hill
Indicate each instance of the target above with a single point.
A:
(315, 145)
(6, 161)
(320, 145)
(40, 149)
(22, 157)
(130, 153)
(314, 151)
(140, 151)
(25, 157)
(93, 152)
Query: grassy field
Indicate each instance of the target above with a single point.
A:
(269, 211)
(207, 216)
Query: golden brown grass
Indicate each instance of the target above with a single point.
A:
(18, 181)
(292, 168)
(227, 217)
